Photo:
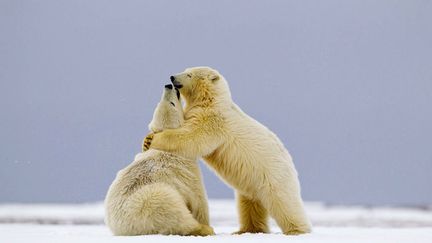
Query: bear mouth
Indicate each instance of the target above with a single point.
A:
(177, 84)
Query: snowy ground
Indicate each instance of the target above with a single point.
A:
(84, 223)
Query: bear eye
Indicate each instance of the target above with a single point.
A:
(189, 75)
(172, 103)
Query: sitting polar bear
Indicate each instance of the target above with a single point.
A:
(245, 153)
(159, 192)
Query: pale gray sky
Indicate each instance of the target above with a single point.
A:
(347, 86)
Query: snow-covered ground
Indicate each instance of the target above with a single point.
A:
(99, 233)
(84, 223)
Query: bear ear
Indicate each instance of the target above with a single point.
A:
(214, 77)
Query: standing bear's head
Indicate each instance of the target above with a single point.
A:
(201, 84)
(169, 112)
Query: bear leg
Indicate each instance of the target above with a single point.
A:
(288, 212)
(159, 209)
(253, 216)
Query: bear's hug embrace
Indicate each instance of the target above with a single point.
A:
(161, 192)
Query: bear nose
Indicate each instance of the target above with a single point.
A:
(172, 78)
(168, 86)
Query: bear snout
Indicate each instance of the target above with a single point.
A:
(168, 86)
(176, 83)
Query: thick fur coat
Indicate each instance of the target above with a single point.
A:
(159, 192)
(242, 151)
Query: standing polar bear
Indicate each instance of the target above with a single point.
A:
(160, 192)
(246, 154)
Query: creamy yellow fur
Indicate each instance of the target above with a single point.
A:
(246, 154)
(159, 192)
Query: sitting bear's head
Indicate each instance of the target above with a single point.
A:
(201, 84)
(169, 112)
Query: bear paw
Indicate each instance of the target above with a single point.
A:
(147, 142)
(203, 230)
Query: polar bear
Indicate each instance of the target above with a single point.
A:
(245, 153)
(159, 192)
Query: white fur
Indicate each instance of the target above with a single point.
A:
(242, 151)
(159, 192)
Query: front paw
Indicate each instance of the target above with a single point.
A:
(147, 142)
(252, 231)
